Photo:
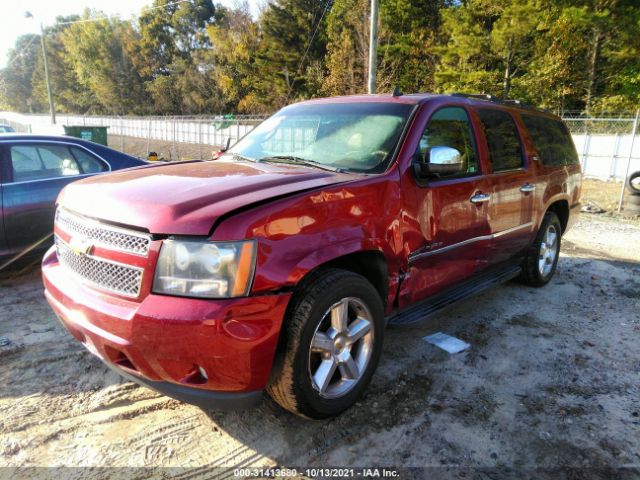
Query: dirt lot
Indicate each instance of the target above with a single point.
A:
(552, 380)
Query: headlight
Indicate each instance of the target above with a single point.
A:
(205, 269)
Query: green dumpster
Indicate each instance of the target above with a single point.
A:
(93, 134)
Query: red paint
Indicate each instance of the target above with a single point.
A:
(301, 219)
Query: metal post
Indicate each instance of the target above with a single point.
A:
(634, 131)
(199, 139)
(373, 47)
(173, 120)
(52, 110)
(121, 136)
(149, 137)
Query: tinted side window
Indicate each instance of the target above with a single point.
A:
(31, 162)
(88, 162)
(552, 140)
(503, 139)
(450, 127)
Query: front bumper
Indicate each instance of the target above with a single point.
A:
(213, 353)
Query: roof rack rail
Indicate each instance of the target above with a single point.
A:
(490, 98)
(477, 96)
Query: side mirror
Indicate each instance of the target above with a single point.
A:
(439, 161)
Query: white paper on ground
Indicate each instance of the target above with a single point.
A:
(446, 342)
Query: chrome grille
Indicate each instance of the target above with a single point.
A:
(103, 235)
(114, 277)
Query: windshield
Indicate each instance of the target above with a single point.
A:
(351, 136)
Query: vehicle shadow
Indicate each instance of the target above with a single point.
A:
(423, 404)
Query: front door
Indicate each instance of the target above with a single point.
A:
(511, 184)
(445, 229)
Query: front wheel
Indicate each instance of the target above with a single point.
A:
(333, 341)
(542, 257)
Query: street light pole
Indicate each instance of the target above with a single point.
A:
(52, 110)
(373, 47)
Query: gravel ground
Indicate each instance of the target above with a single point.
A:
(551, 381)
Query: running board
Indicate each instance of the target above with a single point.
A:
(477, 284)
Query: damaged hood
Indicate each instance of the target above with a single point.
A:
(187, 198)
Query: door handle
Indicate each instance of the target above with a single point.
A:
(527, 187)
(480, 198)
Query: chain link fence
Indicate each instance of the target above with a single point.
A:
(604, 143)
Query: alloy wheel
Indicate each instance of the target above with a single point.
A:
(341, 348)
(548, 251)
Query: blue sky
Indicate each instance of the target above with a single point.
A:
(13, 22)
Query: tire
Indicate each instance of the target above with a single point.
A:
(313, 314)
(632, 209)
(632, 199)
(633, 187)
(536, 270)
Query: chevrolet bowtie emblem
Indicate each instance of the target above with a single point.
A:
(80, 246)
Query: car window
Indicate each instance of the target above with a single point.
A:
(552, 140)
(451, 127)
(88, 162)
(31, 162)
(503, 140)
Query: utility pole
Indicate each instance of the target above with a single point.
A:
(46, 76)
(373, 47)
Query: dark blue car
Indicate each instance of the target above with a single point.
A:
(33, 171)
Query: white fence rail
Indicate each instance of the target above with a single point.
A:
(603, 144)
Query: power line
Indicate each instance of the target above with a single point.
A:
(304, 57)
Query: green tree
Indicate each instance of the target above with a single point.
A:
(100, 54)
(293, 43)
(70, 95)
(171, 56)
(487, 45)
(234, 41)
(16, 92)
(347, 48)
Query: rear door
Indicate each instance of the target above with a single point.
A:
(38, 171)
(511, 184)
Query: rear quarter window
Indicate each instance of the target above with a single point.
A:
(552, 140)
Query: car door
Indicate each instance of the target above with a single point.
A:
(4, 247)
(511, 184)
(445, 232)
(38, 171)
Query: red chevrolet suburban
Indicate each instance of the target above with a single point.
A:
(278, 266)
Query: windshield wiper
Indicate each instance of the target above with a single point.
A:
(241, 157)
(298, 161)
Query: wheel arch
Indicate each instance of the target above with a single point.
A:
(371, 264)
(561, 208)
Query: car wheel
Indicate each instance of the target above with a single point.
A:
(633, 182)
(332, 343)
(541, 260)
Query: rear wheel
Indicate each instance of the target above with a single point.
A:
(333, 340)
(542, 257)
